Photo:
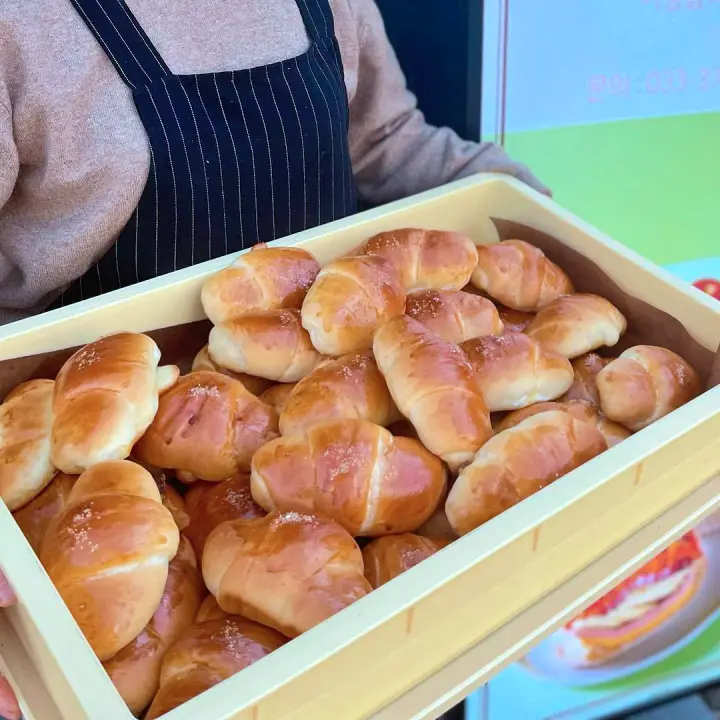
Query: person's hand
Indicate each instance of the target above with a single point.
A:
(9, 708)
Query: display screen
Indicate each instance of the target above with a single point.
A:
(616, 105)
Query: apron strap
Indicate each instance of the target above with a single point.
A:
(125, 43)
(318, 18)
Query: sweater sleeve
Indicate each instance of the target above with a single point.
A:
(395, 152)
(8, 156)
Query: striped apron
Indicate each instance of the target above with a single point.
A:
(237, 157)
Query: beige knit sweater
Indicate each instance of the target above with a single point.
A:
(74, 157)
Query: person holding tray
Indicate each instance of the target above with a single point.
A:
(138, 138)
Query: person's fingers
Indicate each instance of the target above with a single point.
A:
(7, 595)
(9, 708)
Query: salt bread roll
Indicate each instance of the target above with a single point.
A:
(350, 299)
(108, 552)
(265, 278)
(106, 396)
(288, 571)
(644, 384)
(518, 463)
(354, 472)
(26, 419)
(208, 427)
(207, 654)
(519, 275)
(388, 557)
(453, 314)
(351, 387)
(513, 371)
(433, 385)
(272, 345)
(577, 324)
(135, 670)
(426, 259)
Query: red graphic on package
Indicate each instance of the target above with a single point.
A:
(711, 287)
(644, 601)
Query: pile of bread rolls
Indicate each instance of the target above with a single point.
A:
(402, 395)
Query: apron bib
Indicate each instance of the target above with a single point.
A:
(237, 158)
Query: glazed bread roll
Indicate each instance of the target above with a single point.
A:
(351, 387)
(135, 670)
(387, 557)
(517, 463)
(519, 276)
(35, 517)
(107, 553)
(207, 654)
(287, 571)
(212, 505)
(106, 395)
(586, 369)
(514, 321)
(272, 345)
(514, 371)
(255, 385)
(265, 278)
(354, 472)
(277, 397)
(644, 384)
(454, 315)
(350, 299)
(426, 259)
(26, 419)
(613, 433)
(210, 610)
(208, 426)
(433, 384)
(577, 324)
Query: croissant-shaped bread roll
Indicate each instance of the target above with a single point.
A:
(577, 324)
(517, 463)
(277, 396)
(272, 345)
(387, 557)
(514, 371)
(519, 275)
(207, 426)
(266, 278)
(350, 299)
(454, 315)
(207, 654)
(35, 517)
(514, 321)
(256, 385)
(214, 504)
(580, 409)
(586, 369)
(288, 571)
(351, 387)
(644, 384)
(108, 552)
(354, 472)
(426, 259)
(135, 670)
(433, 385)
(106, 396)
(26, 419)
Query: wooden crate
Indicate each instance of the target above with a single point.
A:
(462, 614)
